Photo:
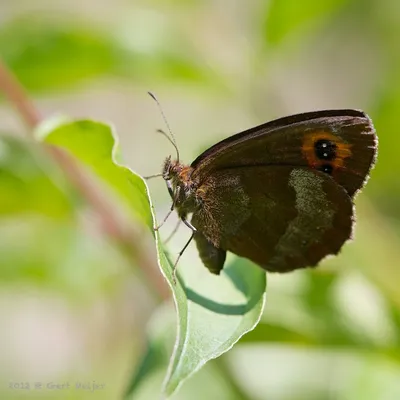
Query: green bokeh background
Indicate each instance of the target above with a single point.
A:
(218, 67)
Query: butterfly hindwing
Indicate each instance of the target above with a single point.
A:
(280, 217)
(212, 257)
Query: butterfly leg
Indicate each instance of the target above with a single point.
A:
(194, 230)
(188, 224)
(152, 176)
(174, 197)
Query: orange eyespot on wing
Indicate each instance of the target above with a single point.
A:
(325, 151)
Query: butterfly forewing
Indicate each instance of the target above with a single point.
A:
(293, 141)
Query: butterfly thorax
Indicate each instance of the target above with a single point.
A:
(179, 177)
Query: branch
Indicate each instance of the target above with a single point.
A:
(130, 237)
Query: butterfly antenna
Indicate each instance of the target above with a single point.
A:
(171, 136)
(170, 140)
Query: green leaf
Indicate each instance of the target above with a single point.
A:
(284, 17)
(94, 144)
(160, 331)
(209, 324)
(213, 312)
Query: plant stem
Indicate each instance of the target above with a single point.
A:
(11, 87)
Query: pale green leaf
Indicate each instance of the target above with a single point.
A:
(94, 144)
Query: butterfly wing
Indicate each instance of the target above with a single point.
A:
(212, 257)
(280, 217)
(293, 141)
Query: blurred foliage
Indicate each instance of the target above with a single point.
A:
(283, 18)
(24, 179)
(332, 333)
(53, 54)
(50, 264)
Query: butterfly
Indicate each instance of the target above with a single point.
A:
(279, 194)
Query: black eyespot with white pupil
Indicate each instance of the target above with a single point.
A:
(325, 149)
(327, 168)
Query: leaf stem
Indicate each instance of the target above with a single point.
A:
(128, 236)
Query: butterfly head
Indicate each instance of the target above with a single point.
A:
(171, 169)
(180, 185)
(175, 171)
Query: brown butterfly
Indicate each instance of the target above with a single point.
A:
(280, 194)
